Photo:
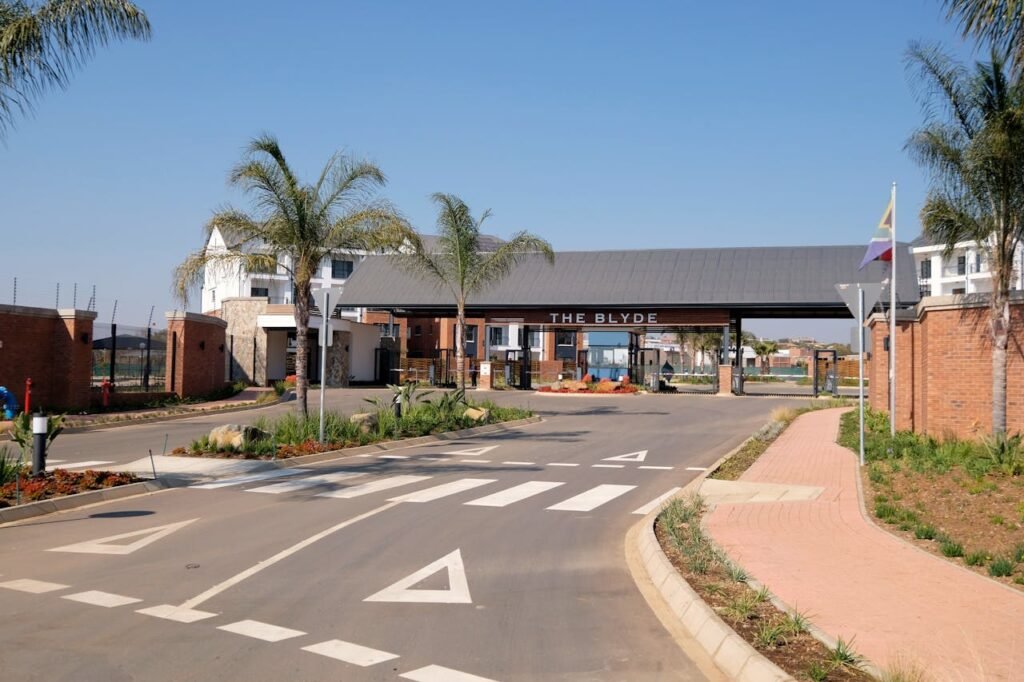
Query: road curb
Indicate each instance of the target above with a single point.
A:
(56, 504)
(404, 443)
(727, 650)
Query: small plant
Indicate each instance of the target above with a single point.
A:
(1018, 552)
(978, 558)
(770, 635)
(951, 549)
(736, 573)
(997, 520)
(795, 623)
(901, 670)
(762, 595)
(742, 607)
(714, 589)
(887, 512)
(10, 465)
(843, 655)
(924, 532)
(1001, 567)
(818, 672)
(1005, 453)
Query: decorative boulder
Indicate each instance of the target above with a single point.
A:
(234, 435)
(575, 385)
(366, 421)
(477, 414)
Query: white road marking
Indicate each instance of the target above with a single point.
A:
(656, 502)
(105, 546)
(32, 586)
(444, 490)
(435, 459)
(522, 464)
(656, 468)
(457, 592)
(608, 466)
(299, 484)
(97, 598)
(250, 478)
(373, 487)
(350, 653)
(562, 464)
(638, 456)
(472, 452)
(475, 461)
(393, 457)
(593, 498)
(180, 614)
(696, 468)
(55, 461)
(514, 494)
(437, 673)
(84, 465)
(258, 630)
(283, 554)
(367, 454)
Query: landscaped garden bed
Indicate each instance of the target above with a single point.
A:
(293, 435)
(588, 385)
(961, 500)
(55, 483)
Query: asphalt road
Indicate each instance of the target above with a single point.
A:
(499, 564)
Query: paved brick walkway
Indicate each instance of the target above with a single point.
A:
(856, 580)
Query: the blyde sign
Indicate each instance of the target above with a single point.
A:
(614, 317)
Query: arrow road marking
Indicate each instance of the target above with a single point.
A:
(105, 546)
(638, 456)
(457, 592)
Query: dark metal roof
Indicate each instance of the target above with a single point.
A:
(486, 242)
(799, 279)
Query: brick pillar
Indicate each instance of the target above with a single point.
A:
(72, 359)
(725, 380)
(196, 354)
(486, 379)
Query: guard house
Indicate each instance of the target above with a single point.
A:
(591, 310)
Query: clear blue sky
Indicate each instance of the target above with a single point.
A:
(595, 125)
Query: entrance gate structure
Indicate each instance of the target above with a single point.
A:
(639, 292)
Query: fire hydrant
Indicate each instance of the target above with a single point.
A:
(28, 395)
(105, 390)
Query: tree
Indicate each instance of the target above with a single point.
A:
(704, 343)
(303, 223)
(458, 263)
(997, 22)
(41, 45)
(765, 350)
(972, 144)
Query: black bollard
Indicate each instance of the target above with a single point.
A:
(38, 444)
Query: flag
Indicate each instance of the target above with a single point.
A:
(880, 246)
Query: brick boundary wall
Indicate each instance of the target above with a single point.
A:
(944, 367)
(196, 362)
(53, 348)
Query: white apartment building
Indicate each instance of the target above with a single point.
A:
(964, 271)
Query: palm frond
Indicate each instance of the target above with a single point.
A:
(497, 265)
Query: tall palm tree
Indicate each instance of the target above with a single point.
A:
(458, 263)
(972, 144)
(764, 351)
(998, 22)
(303, 223)
(704, 343)
(41, 45)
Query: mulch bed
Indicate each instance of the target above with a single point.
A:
(60, 482)
(797, 654)
(983, 515)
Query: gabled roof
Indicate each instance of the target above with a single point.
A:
(797, 278)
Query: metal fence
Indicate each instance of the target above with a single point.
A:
(130, 358)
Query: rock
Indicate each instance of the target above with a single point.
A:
(366, 421)
(477, 414)
(235, 435)
(575, 385)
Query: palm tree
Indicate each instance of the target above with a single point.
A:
(40, 45)
(972, 144)
(303, 223)
(458, 263)
(686, 341)
(998, 22)
(704, 343)
(765, 350)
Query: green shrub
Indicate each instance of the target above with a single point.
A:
(10, 464)
(924, 532)
(978, 558)
(1018, 552)
(951, 549)
(1001, 567)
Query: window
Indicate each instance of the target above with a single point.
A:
(926, 290)
(213, 296)
(977, 262)
(961, 265)
(535, 338)
(563, 338)
(418, 331)
(259, 292)
(926, 269)
(959, 290)
(470, 333)
(497, 336)
(341, 269)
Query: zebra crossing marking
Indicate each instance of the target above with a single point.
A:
(300, 484)
(347, 652)
(593, 498)
(248, 478)
(443, 490)
(516, 493)
(374, 487)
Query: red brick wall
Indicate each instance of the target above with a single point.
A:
(944, 372)
(53, 348)
(196, 361)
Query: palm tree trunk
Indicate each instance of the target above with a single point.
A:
(460, 345)
(301, 345)
(1000, 325)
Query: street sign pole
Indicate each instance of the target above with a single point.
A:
(325, 326)
(860, 364)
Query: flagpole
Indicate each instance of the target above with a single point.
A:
(892, 322)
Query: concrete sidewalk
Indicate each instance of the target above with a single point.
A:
(855, 580)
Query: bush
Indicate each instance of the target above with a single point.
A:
(976, 558)
(1001, 567)
(951, 549)
(924, 532)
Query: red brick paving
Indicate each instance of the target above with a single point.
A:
(858, 581)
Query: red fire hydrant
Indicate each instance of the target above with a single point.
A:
(28, 396)
(105, 388)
